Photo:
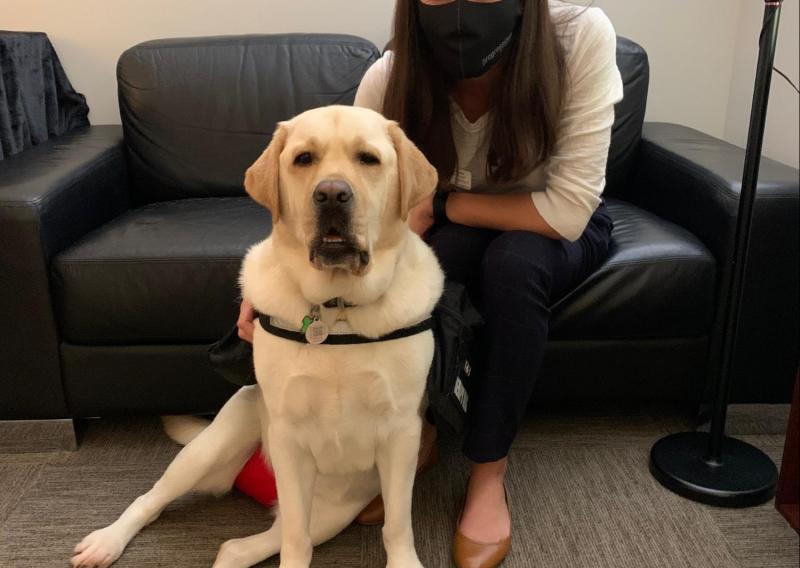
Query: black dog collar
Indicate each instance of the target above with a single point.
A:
(343, 338)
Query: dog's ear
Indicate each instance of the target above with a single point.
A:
(418, 178)
(262, 180)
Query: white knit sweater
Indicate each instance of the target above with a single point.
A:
(567, 188)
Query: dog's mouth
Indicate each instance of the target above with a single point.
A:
(335, 247)
(333, 238)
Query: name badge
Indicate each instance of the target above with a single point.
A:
(463, 179)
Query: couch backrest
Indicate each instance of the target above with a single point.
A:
(196, 112)
(627, 131)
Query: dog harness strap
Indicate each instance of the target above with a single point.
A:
(344, 338)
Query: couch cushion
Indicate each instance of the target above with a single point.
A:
(163, 273)
(168, 273)
(659, 281)
(198, 111)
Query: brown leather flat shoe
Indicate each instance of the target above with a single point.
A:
(373, 513)
(470, 554)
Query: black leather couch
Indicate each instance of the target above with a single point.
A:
(120, 246)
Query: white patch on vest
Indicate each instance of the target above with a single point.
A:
(461, 394)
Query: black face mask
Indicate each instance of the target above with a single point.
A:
(468, 38)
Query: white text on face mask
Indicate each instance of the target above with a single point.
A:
(496, 50)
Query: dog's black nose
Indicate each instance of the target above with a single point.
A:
(333, 192)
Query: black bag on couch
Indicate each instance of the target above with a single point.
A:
(232, 358)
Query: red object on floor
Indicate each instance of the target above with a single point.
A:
(257, 480)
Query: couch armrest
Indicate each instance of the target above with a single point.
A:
(694, 180)
(50, 196)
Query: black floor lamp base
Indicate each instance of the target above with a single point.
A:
(745, 478)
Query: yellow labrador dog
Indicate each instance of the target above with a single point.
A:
(340, 421)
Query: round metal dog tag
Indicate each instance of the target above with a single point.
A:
(317, 332)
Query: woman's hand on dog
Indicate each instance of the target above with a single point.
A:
(245, 322)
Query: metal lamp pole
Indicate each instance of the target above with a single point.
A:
(710, 467)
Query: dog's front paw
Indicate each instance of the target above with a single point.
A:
(100, 549)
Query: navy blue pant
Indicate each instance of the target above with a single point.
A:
(513, 278)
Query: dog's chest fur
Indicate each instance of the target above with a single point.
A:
(340, 401)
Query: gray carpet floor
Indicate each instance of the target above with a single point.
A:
(579, 487)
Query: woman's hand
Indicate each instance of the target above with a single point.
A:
(245, 322)
(420, 218)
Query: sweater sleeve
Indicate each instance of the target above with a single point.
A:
(373, 84)
(575, 173)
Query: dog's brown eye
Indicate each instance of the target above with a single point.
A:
(303, 159)
(368, 159)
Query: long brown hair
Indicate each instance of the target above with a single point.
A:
(530, 94)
